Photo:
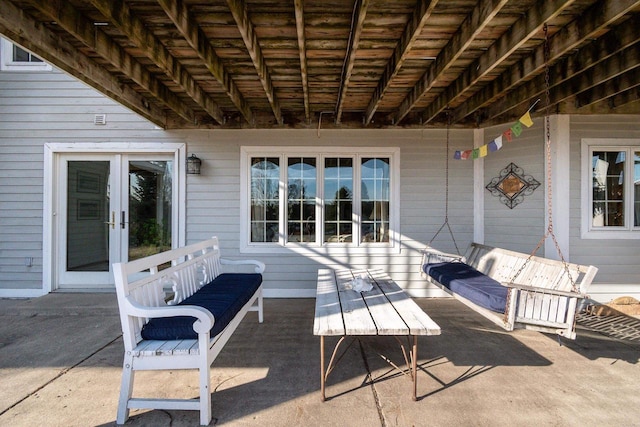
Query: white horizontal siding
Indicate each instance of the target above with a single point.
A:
(213, 203)
(36, 108)
(618, 261)
(520, 228)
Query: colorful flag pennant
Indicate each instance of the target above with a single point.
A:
(514, 131)
(516, 128)
(526, 119)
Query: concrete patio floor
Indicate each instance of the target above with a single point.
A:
(61, 355)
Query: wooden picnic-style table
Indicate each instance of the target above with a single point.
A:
(384, 310)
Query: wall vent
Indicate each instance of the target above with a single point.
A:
(100, 119)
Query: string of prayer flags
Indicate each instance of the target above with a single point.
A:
(513, 132)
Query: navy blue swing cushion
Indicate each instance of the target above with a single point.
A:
(469, 283)
(224, 297)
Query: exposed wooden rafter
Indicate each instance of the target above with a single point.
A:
(423, 11)
(357, 22)
(520, 32)
(184, 21)
(241, 15)
(22, 29)
(473, 25)
(595, 19)
(371, 64)
(121, 16)
(302, 48)
(68, 17)
(563, 71)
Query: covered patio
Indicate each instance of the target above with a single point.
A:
(62, 358)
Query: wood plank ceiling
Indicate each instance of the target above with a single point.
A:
(349, 63)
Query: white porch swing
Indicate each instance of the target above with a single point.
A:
(512, 289)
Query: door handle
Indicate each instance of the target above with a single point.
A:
(113, 220)
(123, 220)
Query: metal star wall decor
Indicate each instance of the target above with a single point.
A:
(512, 185)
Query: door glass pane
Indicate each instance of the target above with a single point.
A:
(150, 185)
(88, 215)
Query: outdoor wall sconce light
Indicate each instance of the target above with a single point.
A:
(193, 165)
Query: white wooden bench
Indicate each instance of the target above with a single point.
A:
(152, 288)
(542, 296)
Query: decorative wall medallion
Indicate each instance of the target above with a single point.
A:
(512, 185)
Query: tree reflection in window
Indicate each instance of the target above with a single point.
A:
(375, 200)
(338, 201)
(301, 199)
(265, 199)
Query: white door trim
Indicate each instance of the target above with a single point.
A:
(52, 181)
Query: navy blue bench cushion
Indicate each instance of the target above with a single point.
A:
(469, 283)
(224, 297)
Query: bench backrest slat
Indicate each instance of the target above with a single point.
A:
(147, 281)
(502, 265)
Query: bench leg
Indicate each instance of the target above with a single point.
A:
(205, 394)
(260, 309)
(126, 388)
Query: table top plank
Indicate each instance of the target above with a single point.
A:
(357, 319)
(386, 318)
(385, 310)
(328, 319)
(417, 321)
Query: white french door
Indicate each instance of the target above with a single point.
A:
(110, 208)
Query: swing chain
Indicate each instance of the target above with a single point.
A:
(547, 125)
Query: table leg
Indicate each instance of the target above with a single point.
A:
(322, 374)
(414, 366)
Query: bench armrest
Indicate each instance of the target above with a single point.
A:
(431, 255)
(204, 322)
(260, 266)
(543, 290)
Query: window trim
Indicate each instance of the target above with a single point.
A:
(8, 64)
(588, 145)
(318, 247)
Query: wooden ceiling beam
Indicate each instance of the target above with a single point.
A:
(520, 32)
(184, 21)
(245, 26)
(598, 17)
(615, 75)
(626, 102)
(357, 23)
(37, 38)
(473, 24)
(302, 48)
(587, 57)
(412, 30)
(605, 87)
(121, 16)
(73, 22)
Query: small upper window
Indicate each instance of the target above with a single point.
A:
(16, 58)
(611, 194)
